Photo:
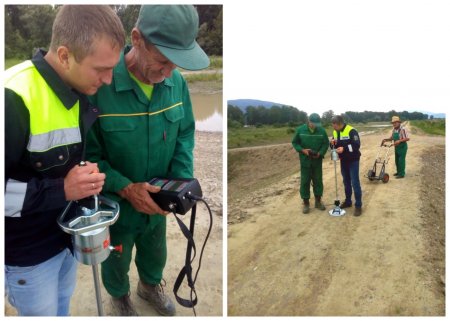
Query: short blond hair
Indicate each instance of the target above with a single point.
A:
(77, 28)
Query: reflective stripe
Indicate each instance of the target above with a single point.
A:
(143, 114)
(14, 198)
(55, 138)
(344, 135)
(47, 111)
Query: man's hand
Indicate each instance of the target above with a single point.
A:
(83, 181)
(306, 151)
(138, 195)
(340, 150)
(316, 155)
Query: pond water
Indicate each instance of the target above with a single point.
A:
(208, 112)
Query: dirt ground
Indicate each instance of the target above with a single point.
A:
(388, 262)
(208, 170)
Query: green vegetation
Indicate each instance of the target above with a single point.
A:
(261, 115)
(12, 62)
(208, 77)
(263, 135)
(239, 136)
(432, 127)
(28, 27)
(216, 62)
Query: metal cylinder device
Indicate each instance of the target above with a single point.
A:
(90, 229)
(90, 234)
(336, 211)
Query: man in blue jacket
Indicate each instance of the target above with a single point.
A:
(47, 116)
(347, 143)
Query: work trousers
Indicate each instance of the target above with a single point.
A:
(150, 258)
(350, 176)
(313, 173)
(400, 158)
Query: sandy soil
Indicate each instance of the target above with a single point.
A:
(388, 262)
(208, 170)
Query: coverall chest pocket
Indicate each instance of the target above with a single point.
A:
(119, 131)
(172, 122)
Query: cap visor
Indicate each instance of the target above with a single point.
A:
(189, 59)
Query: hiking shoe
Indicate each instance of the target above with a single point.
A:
(399, 176)
(319, 204)
(155, 295)
(358, 211)
(122, 306)
(305, 206)
(395, 174)
(345, 205)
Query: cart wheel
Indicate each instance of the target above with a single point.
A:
(370, 174)
(385, 178)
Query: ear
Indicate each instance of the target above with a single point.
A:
(136, 38)
(63, 55)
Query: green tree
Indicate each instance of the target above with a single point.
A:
(326, 117)
(211, 29)
(235, 114)
(128, 14)
(27, 27)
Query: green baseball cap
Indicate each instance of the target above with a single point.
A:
(173, 30)
(315, 119)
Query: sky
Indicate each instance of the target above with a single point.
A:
(339, 55)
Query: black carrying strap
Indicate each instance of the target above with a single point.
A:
(186, 271)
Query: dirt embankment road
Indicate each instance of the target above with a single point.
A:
(390, 261)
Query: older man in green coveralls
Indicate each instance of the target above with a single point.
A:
(400, 137)
(311, 142)
(145, 130)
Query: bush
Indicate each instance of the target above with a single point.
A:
(234, 124)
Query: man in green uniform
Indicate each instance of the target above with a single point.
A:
(400, 137)
(145, 130)
(311, 142)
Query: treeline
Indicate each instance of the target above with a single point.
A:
(288, 115)
(261, 115)
(28, 27)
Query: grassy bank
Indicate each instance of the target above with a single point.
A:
(265, 135)
(432, 127)
(208, 80)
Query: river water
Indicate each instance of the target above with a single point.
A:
(208, 112)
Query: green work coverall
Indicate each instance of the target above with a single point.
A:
(310, 168)
(134, 140)
(400, 155)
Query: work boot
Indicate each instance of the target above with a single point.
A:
(155, 295)
(319, 204)
(358, 211)
(305, 206)
(345, 205)
(122, 306)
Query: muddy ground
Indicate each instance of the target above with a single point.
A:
(208, 170)
(388, 262)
